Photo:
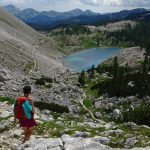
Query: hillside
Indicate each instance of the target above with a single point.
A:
(28, 57)
(17, 44)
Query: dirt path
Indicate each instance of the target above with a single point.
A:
(33, 59)
(93, 117)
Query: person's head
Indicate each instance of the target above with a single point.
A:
(27, 90)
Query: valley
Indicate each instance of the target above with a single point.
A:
(103, 107)
(76, 38)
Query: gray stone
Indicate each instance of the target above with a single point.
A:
(146, 127)
(94, 125)
(79, 143)
(98, 115)
(81, 134)
(130, 142)
(16, 133)
(85, 144)
(110, 125)
(42, 144)
(110, 106)
(6, 114)
(117, 114)
(116, 132)
(102, 140)
(74, 109)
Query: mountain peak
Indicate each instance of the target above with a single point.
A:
(89, 12)
(30, 10)
(139, 10)
(10, 6)
(12, 9)
(77, 10)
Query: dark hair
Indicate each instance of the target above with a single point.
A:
(27, 89)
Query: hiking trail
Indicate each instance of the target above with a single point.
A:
(93, 117)
(33, 59)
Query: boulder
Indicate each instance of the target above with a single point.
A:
(117, 114)
(110, 106)
(110, 125)
(81, 134)
(5, 114)
(16, 133)
(116, 132)
(100, 139)
(74, 109)
(85, 144)
(42, 144)
(130, 142)
(82, 144)
(98, 115)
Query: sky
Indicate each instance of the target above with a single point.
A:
(101, 6)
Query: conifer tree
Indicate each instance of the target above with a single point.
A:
(81, 78)
(115, 68)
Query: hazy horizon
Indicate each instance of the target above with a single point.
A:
(99, 6)
(74, 9)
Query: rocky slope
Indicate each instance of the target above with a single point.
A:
(112, 26)
(27, 56)
(133, 56)
(70, 132)
(17, 42)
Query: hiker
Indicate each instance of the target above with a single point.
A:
(24, 112)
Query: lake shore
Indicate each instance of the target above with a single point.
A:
(84, 60)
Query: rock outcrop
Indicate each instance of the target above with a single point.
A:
(133, 56)
(64, 143)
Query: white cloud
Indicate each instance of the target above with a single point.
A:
(66, 5)
(12, 1)
(87, 2)
(137, 3)
(102, 2)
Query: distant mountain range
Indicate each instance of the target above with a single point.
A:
(51, 19)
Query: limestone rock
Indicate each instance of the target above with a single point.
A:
(117, 114)
(42, 144)
(130, 142)
(98, 115)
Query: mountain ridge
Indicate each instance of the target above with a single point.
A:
(51, 19)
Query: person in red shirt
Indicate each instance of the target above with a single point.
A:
(27, 124)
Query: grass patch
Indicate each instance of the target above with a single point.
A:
(50, 128)
(47, 82)
(87, 103)
(7, 99)
(28, 66)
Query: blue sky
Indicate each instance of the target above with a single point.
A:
(101, 6)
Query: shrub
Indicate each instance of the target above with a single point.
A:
(43, 81)
(7, 99)
(52, 107)
(120, 87)
(81, 78)
(140, 115)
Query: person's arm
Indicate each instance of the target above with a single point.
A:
(32, 104)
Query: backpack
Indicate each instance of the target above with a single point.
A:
(18, 108)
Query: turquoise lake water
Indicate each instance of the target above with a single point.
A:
(84, 60)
